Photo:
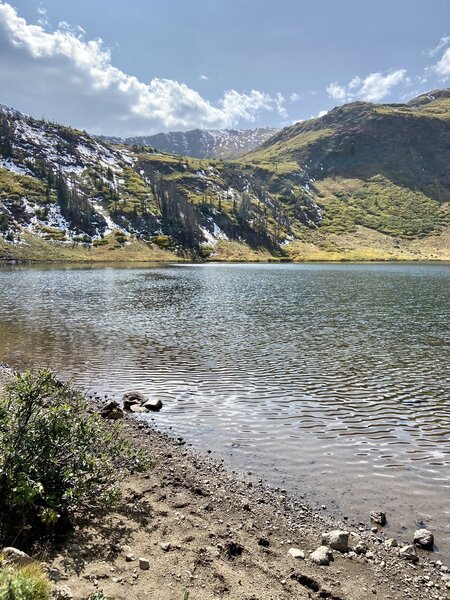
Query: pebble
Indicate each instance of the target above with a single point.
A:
(336, 539)
(296, 553)
(144, 564)
(379, 517)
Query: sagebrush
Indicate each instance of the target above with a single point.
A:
(57, 458)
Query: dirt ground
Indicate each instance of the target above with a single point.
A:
(209, 534)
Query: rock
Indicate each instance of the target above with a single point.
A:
(131, 398)
(153, 405)
(112, 411)
(378, 517)
(264, 542)
(13, 556)
(322, 556)
(144, 564)
(136, 408)
(336, 539)
(424, 539)
(296, 553)
(391, 543)
(130, 557)
(360, 548)
(166, 546)
(409, 553)
(63, 593)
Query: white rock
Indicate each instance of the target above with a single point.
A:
(322, 556)
(336, 539)
(296, 553)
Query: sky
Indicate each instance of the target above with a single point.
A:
(144, 66)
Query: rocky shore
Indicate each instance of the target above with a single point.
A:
(189, 529)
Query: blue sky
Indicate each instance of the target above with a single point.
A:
(172, 64)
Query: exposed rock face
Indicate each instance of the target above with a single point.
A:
(424, 539)
(336, 539)
(322, 556)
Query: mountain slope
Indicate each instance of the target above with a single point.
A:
(365, 181)
(202, 143)
(385, 167)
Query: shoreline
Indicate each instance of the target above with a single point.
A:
(221, 534)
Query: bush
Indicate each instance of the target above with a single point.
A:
(56, 459)
(24, 583)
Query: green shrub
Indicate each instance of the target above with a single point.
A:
(56, 458)
(24, 583)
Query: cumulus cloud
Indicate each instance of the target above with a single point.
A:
(61, 75)
(442, 68)
(373, 88)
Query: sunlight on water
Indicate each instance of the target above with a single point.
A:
(332, 378)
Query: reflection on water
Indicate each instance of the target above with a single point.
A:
(325, 377)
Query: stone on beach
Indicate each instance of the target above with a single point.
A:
(111, 411)
(132, 398)
(409, 553)
(424, 539)
(336, 539)
(296, 553)
(322, 556)
(378, 517)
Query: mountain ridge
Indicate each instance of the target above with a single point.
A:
(364, 181)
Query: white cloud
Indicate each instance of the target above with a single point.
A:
(203, 77)
(336, 91)
(443, 43)
(63, 76)
(442, 67)
(294, 97)
(373, 88)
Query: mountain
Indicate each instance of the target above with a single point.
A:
(202, 143)
(365, 181)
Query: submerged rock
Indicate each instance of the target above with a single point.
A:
(153, 405)
(424, 539)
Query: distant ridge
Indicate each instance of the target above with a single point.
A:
(201, 143)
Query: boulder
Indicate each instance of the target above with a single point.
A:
(322, 556)
(112, 411)
(132, 398)
(336, 539)
(424, 539)
(409, 553)
(378, 517)
(13, 556)
(153, 405)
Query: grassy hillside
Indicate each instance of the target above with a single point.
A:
(374, 177)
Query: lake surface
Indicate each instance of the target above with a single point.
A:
(330, 380)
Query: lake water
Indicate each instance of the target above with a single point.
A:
(330, 380)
